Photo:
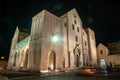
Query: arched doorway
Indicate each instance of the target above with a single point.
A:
(15, 58)
(51, 60)
(76, 60)
(69, 63)
(102, 63)
(76, 57)
(26, 59)
(22, 59)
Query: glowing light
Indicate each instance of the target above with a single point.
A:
(87, 70)
(2, 57)
(55, 38)
(44, 71)
(22, 43)
(51, 66)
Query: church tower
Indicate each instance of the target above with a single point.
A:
(75, 53)
(46, 42)
(11, 61)
(92, 47)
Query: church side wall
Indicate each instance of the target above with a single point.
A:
(21, 57)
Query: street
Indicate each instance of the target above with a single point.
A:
(67, 76)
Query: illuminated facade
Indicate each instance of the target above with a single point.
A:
(55, 43)
(102, 53)
(109, 57)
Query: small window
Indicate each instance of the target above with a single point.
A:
(83, 33)
(65, 24)
(75, 21)
(92, 36)
(73, 26)
(78, 29)
(74, 16)
(101, 52)
(85, 43)
(76, 38)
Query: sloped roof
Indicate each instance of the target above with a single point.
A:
(23, 30)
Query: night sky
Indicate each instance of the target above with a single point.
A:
(103, 16)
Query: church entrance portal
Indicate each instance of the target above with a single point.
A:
(76, 60)
(51, 60)
(26, 59)
(77, 57)
(102, 63)
(15, 60)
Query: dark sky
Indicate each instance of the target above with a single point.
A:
(103, 16)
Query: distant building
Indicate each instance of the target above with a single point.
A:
(114, 48)
(114, 53)
(114, 60)
(55, 43)
(109, 57)
(102, 53)
(3, 65)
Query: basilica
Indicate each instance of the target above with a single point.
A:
(53, 44)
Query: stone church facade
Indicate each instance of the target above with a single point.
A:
(107, 57)
(54, 43)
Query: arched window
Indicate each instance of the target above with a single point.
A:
(76, 38)
(74, 16)
(85, 43)
(75, 21)
(78, 29)
(15, 58)
(101, 52)
(26, 59)
(73, 27)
